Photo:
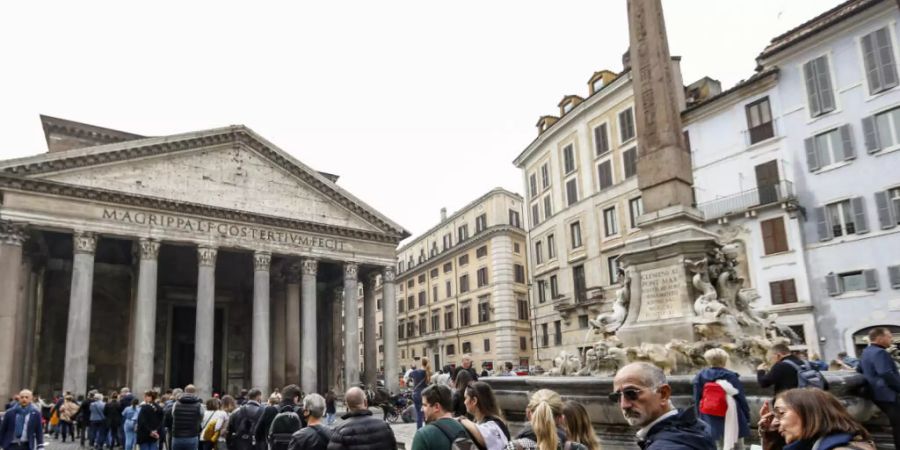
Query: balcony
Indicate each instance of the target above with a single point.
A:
(761, 132)
(782, 192)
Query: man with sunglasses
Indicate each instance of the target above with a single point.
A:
(644, 395)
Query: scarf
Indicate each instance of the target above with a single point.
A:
(730, 437)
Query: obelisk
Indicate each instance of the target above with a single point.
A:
(661, 301)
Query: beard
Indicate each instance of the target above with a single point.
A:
(634, 418)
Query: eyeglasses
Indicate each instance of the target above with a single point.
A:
(630, 394)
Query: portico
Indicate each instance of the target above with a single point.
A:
(212, 257)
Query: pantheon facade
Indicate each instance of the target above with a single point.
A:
(210, 257)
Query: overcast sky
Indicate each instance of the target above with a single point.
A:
(416, 105)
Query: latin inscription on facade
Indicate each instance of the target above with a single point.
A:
(661, 293)
(207, 227)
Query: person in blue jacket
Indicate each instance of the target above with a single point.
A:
(717, 360)
(881, 373)
(21, 428)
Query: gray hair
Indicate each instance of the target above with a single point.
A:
(315, 404)
(716, 357)
(650, 375)
(98, 397)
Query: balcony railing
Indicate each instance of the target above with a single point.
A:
(746, 200)
(761, 132)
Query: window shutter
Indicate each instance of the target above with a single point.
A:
(600, 139)
(831, 283)
(809, 75)
(894, 276)
(885, 53)
(790, 291)
(812, 159)
(823, 85)
(870, 134)
(822, 224)
(871, 277)
(870, 63)
(847, 142)
(858, 206)
(885, 215)
(775, 290)
(768, 235)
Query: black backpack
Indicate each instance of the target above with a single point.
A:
(807, 376)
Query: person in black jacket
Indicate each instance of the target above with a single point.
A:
(782, 375)
(644, 395)
(113, 414)
(84, 416)
(150, 418)
(184, 420)
(316, 435)
(360, 430)
(881, 373)
(288, 418)
(244, 423)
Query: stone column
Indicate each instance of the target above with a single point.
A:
(259, 375)
(78, 332)
(351, 327)
(292, 325)
(145, 317)
(12, 236)
(337, 341)
(204, 340)
(370, 329)
(389, 336)
(279, 340)
(309, 343)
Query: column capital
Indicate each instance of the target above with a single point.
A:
(12, 233)
(310, 266)
(262, 260)
(206, 255)
(149, 248)
(389, 274)
(350, 270)
(84, 242)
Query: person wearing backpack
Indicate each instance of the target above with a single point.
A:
(211, 426)
(360, 430)
(288, 419)
(728, 416)
(244, 423)
(316, 435)
(441, 431)
(788, 372)
(883, 378)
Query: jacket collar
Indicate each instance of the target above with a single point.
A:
(356, 413)
(645, 431)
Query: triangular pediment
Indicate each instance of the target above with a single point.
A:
(230, 168)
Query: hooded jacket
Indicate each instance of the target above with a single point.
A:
(679, 432)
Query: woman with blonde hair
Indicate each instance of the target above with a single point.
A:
(578, 425)
(544, 429)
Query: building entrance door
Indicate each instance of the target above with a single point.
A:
(181, 355)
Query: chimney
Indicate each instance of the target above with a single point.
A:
(443, 214)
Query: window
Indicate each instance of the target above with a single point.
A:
(514, 218)
(535, 215)
(522, 306)
(551, 246)
(538, 252)
(400, 267)
(894, 276)
(610, 223)
(519, 271)
(484, 311)
(462, 233)
(783, 292)
(601, 139)
(545, 175)
(548, 206)
(413, 356)
(575, 234)
(545, 341)
(481, 252)
(860, 280)
(759, 120)
(411, 303)
(448, 267)
(434, 273)
(378, 304)
(583, 321)
(635, 209)
(448, 318)
(480, 223)
(579, 283)
(882, 130)
(542, 291)
(423, 325)
(450, 349)
(554, 287)
(818, 86)
(888, 205)
(626, 125)
(569, 159)
(571, 191)
(463, 260)
(435, 320)
(448, 241)
(841, 218)
(467, 347)
(422, 299)
(523, 343)
(434, 249)
(464, 283)
(487, 345)
(612, 266)
(604, 172)
(401, 330)
(422, 278)
(629, 157)
(422, 256)
(829, 148)
(401, 305)
(516, 248)
(434, 293)
(878, 57)
(557, 332)
(482, 277)
(464, 319)
(774, 237)
(800, 331)
(532, 184)
(449, 289)
(411, 283)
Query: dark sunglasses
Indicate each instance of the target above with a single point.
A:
(630, 394)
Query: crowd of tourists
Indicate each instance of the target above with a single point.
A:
(456, 411)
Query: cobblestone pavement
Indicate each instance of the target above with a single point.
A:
(402, 431)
